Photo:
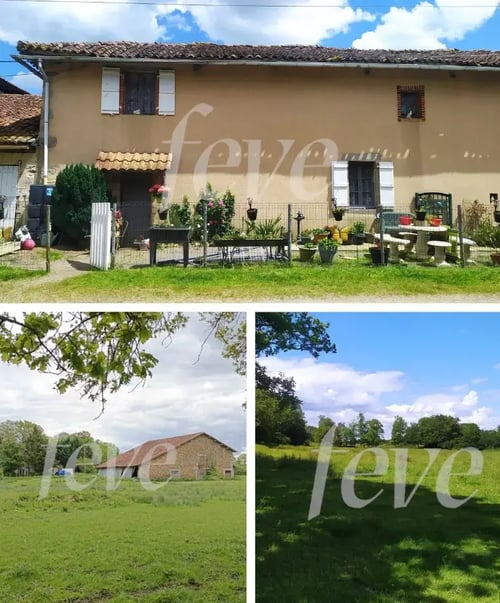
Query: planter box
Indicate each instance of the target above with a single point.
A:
(170, 234)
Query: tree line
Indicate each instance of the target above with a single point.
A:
(23, 446)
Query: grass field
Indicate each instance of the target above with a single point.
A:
(267, 282)
(424, 553)
(182, 543)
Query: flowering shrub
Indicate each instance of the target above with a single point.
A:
(220, 211)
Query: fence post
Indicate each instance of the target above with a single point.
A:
(48, 228)
(460, 235)
(112, 262)
(381, 233)
(290, 234)
(205, 233)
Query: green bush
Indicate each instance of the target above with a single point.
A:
(220, 211)
(77, 187)
(487, 235)
(181, 214)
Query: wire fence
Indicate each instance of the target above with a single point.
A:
(472, 237)
(27, 249)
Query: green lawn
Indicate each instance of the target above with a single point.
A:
(424, 553)
(183, 543)
(268, 282)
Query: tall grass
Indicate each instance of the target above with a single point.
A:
(184, 542)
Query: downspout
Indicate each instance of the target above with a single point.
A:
(45, 126)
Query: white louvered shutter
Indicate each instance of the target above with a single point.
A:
(386, 183)
(110, 90)
(166, 93)
(340, 183)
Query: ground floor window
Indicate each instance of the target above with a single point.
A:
(361, 184)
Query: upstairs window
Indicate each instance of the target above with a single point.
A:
(137, 92)
(411, 102)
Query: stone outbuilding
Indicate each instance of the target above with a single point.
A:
(187, 457)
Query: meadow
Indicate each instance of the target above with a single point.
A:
(184, 542)
(422, 553)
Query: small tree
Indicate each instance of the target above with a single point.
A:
(77, 187)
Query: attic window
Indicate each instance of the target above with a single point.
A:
(411, 103)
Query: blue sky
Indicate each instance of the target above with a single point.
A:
(411, 364)
(463, 24)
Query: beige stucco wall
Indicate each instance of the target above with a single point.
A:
(186, 460)
(271, 132)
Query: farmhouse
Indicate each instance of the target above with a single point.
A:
(280, 124)
(188, 456)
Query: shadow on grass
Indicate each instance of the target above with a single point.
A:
(423, 553)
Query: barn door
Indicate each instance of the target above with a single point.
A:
(202, 466)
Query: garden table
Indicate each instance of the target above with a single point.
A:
(423, 234)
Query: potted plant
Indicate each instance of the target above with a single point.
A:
(420, 208)
(305, 237)
(319, 233)
(327, 249)
(307, 251)
(251, 211)
(338, 213)
(376, 255)
(358, 232)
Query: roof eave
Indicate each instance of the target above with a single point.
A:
(26, 60)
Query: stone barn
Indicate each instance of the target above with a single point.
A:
(187, 457)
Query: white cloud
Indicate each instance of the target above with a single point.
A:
(89, 21)
(341, 392)
(79, 20)
(183, 396)
(286, 25)
(336, 390)
(427, 25)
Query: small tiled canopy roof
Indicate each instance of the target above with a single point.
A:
(109, 160)
(136, 456)
(19, 118)
(207, 52)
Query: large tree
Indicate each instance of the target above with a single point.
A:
(283, 331)
(278, 410)
(99, 352)
(22, 445)
(399, 431)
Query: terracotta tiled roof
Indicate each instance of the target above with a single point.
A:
(202, 51)
(9, 88)
(109, 160)
(135, 456)
(19, 117)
